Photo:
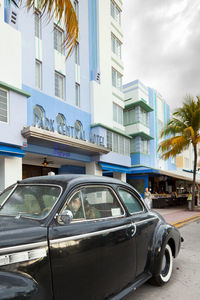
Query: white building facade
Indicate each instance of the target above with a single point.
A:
(13, 100)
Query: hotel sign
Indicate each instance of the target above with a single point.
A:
(60, 125)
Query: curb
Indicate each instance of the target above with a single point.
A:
(185, 221)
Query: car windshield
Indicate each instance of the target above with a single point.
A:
(32, 201)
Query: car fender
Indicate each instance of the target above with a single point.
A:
(163, 235)
(18, 286)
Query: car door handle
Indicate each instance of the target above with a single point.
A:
(133, 230)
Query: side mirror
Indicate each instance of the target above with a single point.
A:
(65, 217)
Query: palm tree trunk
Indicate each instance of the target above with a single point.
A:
(194, 176)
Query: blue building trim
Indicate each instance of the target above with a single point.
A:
(152, 128)
(114, 168)
(144, 170)
(11, 151)
(132, 171)
(93, 39)
(57, 151)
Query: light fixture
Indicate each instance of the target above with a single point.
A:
(45, 162)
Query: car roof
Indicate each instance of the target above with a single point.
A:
(65, 179)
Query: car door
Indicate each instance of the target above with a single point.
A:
(94, 256)
(145, 223)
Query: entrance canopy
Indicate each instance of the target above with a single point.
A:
(178, 174)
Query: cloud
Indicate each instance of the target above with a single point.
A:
(162, 46)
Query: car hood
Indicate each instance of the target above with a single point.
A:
(20, 231)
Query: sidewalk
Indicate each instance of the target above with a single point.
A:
(178, 216)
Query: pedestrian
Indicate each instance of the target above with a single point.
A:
(148, 198)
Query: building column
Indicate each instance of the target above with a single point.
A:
(93, 168)
(10, 171)
(120, 176)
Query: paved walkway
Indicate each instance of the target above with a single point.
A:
(178, 216)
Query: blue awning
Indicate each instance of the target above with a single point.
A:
(11, 151)
(128, 170)
(114, 168)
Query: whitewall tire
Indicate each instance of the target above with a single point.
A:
(166, 268)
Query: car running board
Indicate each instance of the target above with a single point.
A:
(131, 288)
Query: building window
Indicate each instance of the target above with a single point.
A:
(133, 145)
(59, 85)
(117, 114)
(130, 116)
(117, 143)
(144, 117)
(116, 46)
(77, 91)
(37, 25)
(115, 12)
(76, 8)
(121, 144)
(76, 52)
(144, 146)
(116, 79)
(127, 147)
(109, 140)
(3, 106)
(58, 39)
(38, 74)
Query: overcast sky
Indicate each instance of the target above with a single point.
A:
(162, 46)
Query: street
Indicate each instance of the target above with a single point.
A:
(185, 281)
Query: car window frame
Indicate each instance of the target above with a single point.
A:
(98, 219)
(135, 196)
(12, 187)
(36, 184)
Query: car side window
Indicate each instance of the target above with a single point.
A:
(94, 202)
(100, 202)
(132, 204)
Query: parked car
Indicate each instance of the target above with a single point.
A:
(80, 237)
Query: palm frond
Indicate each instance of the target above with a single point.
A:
(15, 2)
(196, 119)
(189, 133)
(173, 146)
(173, 127)
(197, 139)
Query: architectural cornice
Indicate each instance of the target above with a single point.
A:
(14, 89)
(41, 134)
(141, 103)
(111, 129)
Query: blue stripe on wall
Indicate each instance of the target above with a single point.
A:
(93, 39)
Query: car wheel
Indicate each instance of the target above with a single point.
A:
(166, 268)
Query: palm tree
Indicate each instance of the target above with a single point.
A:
(59, 8)
(181, 131)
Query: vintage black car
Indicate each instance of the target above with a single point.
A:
(80, 237)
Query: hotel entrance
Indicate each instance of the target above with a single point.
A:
(32, 171)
